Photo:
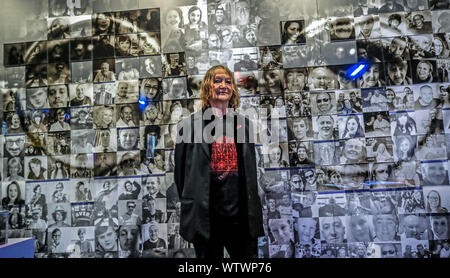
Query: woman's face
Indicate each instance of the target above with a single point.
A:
(423, 71)
(410, 96)
(125, 45)
(302, 154)
(293, 30)
(440, 227)
(300, 129)
(108, 240)
(360, 228)
(37, 119)
(13, 192)
(390, 96)
(35, 167)
(61, 116)
(275, 154)
(433, 200)
(128, 186)
(352, 126)
(15, 121)
(438, 46)
(381, 172)
(307, 229)
(151, 88)
(103, 22)
(279, 102)
(404, 145)
(149, 66)
(13, 170)
(107, 116)
(272, 80)
(173, 19)
(194, 17)
(58, 216)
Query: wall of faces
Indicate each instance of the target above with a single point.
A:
(91, 92)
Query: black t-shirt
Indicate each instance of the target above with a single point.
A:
(224, 188)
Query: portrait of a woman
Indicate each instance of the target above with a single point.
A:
(353, 128)
(293, 32)
(13, 195)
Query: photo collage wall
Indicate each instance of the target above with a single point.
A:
(357, 94)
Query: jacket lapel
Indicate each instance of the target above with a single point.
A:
(205, 147)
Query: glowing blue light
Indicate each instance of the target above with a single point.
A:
(357, 70)
(142, 104)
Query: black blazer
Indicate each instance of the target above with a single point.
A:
(192, 178)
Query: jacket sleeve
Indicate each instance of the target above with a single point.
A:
(181, 146)
(180, 160)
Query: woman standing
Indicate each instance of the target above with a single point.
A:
(203, 174)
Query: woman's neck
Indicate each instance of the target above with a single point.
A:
(219, 108)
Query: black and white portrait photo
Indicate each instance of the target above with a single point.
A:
(127, 69)
(323, 103)
(374, 100)
(81, 117)
(150, 66)
(81, 72)
(81, 94)
(367, 26)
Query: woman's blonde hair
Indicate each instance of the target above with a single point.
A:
(207, 85)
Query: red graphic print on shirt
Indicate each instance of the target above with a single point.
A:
(224, 156)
